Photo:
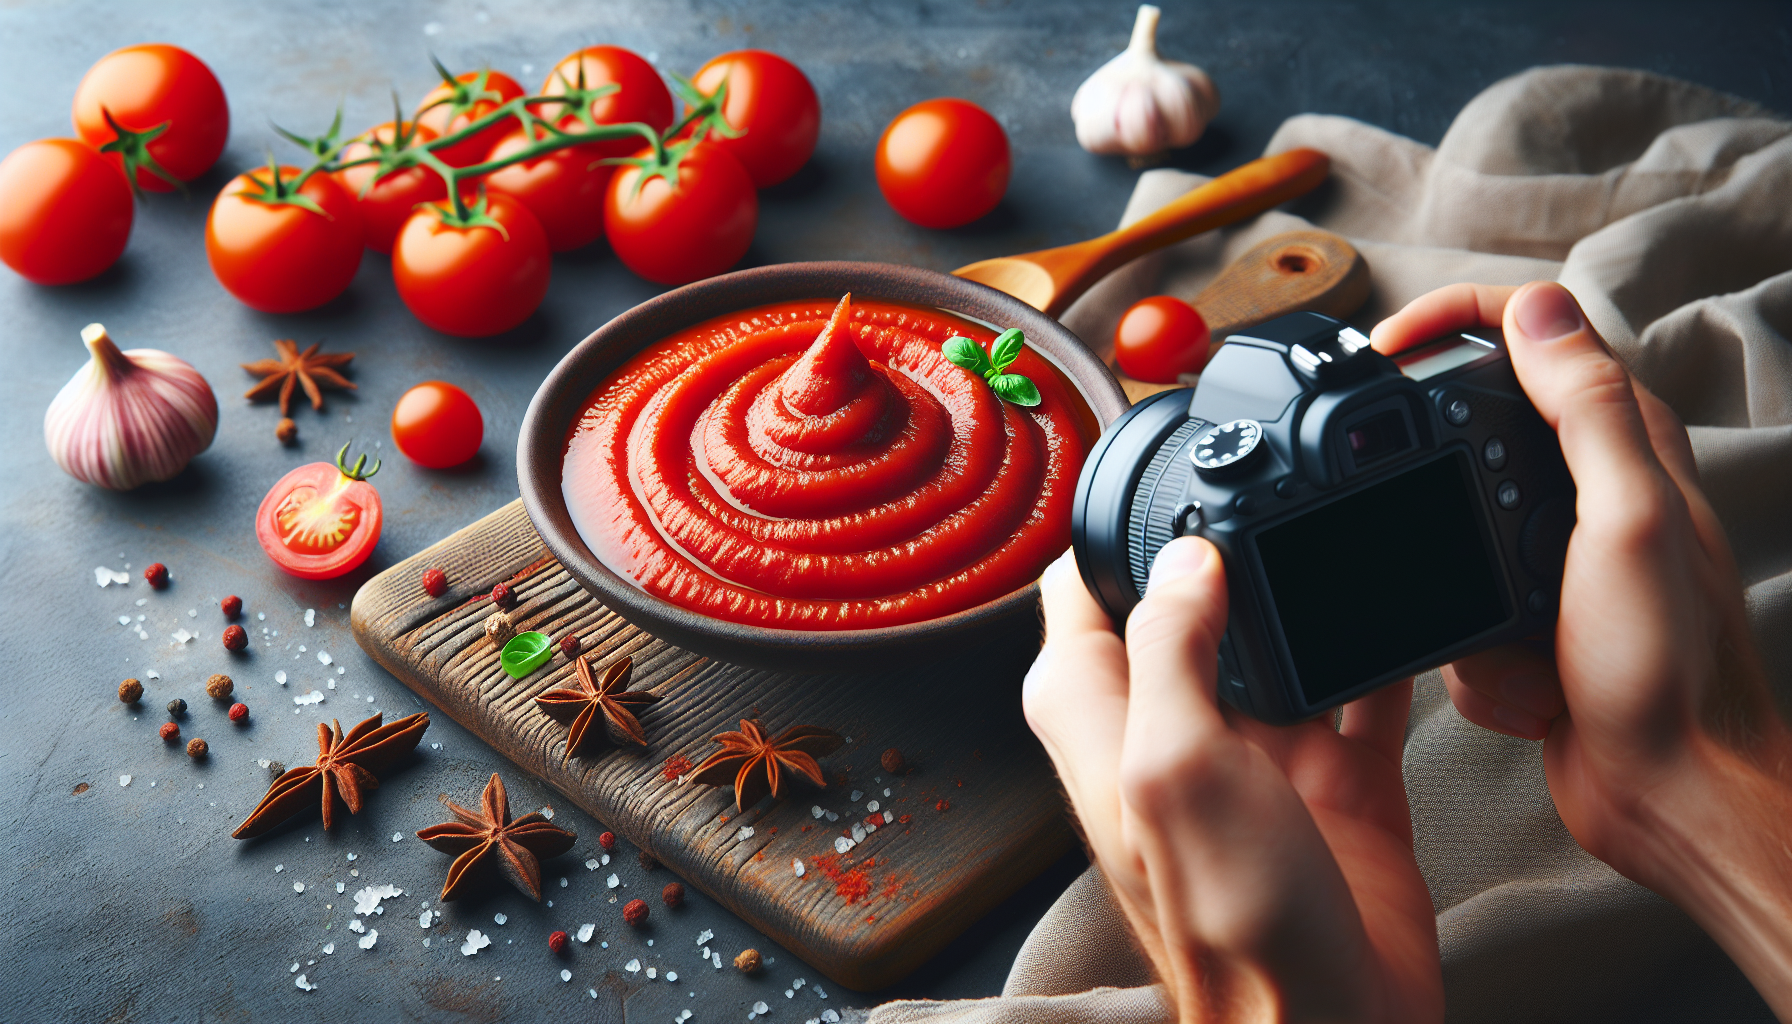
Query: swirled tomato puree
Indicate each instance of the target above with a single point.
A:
(797, 468)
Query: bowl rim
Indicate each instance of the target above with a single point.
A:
(541, 442)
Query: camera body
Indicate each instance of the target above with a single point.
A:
(1377, 516)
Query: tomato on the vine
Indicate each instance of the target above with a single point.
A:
(688, 219)
(66, 211)
(562, 189)
(640, 95)
(391, 200)
(452, 106)
(272, 248)
(943, 163)
(321, 520)
(145, 87)
(437, 425)
(771, 103)
(474, 280)
(1159, 338)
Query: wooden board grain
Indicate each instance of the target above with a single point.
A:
(959, 724)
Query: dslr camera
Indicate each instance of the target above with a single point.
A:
(1377, 516)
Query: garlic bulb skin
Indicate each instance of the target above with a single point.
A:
(129, 418)
(1138, 104)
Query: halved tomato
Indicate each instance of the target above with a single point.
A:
(321, 520)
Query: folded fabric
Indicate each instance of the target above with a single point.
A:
(1667, 209)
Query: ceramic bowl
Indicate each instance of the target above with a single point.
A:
(541, 447)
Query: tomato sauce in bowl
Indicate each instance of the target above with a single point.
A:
(819, 465)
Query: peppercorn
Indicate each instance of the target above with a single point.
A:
(569, 645)
(238, 712)
(673, 895)
(893, 762)
(170, 732)
(646, 859)
(943, 806)
(635, 912)
(231, 606)
(177, 707)
(503, 596)
(218, 686)
(157, 575)
(286, 431)
(557, 943)
(747, 962)
(195, 747)
(435, 582)
(499, 629)
(607, 840)
(130, 691)
(235, 638)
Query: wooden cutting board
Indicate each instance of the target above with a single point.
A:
(978, 815)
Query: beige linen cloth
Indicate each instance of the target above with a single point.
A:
(1667, 209)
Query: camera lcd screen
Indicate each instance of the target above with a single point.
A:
(1384, 577)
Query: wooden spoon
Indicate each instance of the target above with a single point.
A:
(1051, 279)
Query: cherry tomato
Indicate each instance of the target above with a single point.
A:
(1160, 337)
(675, 234)
(281, 257)
(437, 425)
(392, 199)
(473, 281)
(640, 96)
(772, 103)
(144, 87)
(562, 189)
(447, 109)
(943, 163)
(321, 520)
(65, 211)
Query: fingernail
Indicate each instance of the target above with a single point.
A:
(1519, 723)
(1064, 563)
(1548, 312)
(1177, 559)
(1530, 693)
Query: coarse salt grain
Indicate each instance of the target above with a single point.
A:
(367, 900)
(886, 792)
(565, 975)
(182, 636)
(652, 972)
(873, 806)
(858, 833)
(124, 620)
(546, 812)
(856, 794)
(704, 936)
(760, 1007)
(816, 811)
(352, 856)
(746, 833)
(329, 947)
(311, 616)
(124, 780)
(633, 966)
(279, 868)
(324, 657)
(280, 677)
(105, 577)
(585, 932)
(671, 975)
(499, 919)
(562, 885)
(790, 993)
(612, 881)
(591, 865)
(355, 925)
(798, 983)
(423, 919)
(396, 836)
(303, 985)
(475, 942)
(367, 941)
(833, 817)
(889, 816)
(340, 886)
(298, 887)
(842, 844)
(796, 866)
(314, 697)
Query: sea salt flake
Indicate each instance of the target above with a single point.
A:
(324, 657)
(856, 794)
(298, 887)
(369, 939)
(499, 918)
(546, 812)
(340, 670)
(873, 806)
(329, 947)
(633, 966)
(746, 833)
(294, 969)
(331, 684)
(671, 975)
(605, 859)
(261, 616)
(798, 983)
(889, 816)
(396, 836)
(585, 932)
(612, 881)
(124, 780)
(562, 885)
(280, 677)
(565, 975)
(858, 833)
(796, 866)
(591, 992)
(355, 925)
(152, 674)
(311, 616)
(124, 620)
(652, 973)
(823, 995)
(842, 844)
(340, 886)
(367, 900)
(301, 648)
(301, 983)
(760, 1007)
(833, 817)
(886, 792)
(424, 918)
(475, 942)
(716, 958)
(104, 577)
(182, 636)
(192, 613)
(279, 868)
(704, 936)
(591, 865)
(790, 993)
(816, 811)
(314, 697)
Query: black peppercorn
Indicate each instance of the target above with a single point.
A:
(177, 708)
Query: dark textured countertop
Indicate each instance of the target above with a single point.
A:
(132, 902)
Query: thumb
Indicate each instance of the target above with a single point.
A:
(1173, 637)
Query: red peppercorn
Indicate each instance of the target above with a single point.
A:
(157, 575)
(943, 806)
(607, 841)
(232, 606)
(635, 912)
(435, 582)
(238, 712)
(235, 638)
(503, 596)
(557, 943)
(569, 645)
(170, 732)
(673, 895)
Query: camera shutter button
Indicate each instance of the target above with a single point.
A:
(1456, 409)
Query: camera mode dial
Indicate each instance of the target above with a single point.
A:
(1226, 448)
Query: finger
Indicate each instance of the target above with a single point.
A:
(1454, 307)
(1674, 448)
(1491, 715)
(1378, 721)
(1068, 604)
(1172, 645)
(1516, 677)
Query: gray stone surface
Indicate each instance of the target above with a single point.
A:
(132, 903)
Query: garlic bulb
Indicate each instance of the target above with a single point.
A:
(129, 418)
(1139, 104)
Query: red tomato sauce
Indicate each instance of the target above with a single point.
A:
(781, 467)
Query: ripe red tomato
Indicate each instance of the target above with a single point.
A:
(65, 211)
(675, 234)
(640, 96)
(447, 109)
(562, 189)
(473, 281)
(281, 257)
(437, 425)
(1160, 337)
(392, 199)
(321, 520)
(148, 85)
(771, 101)
(943, 163)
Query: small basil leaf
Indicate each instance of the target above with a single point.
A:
(1006, 348)
(1016, 389)
(966, 353)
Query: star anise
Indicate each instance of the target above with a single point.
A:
(516, 845)
(307, 368)
(609, 697)
(345, 766)
(755, 764)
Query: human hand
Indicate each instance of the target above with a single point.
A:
(1268, 872)
(1664, 753)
